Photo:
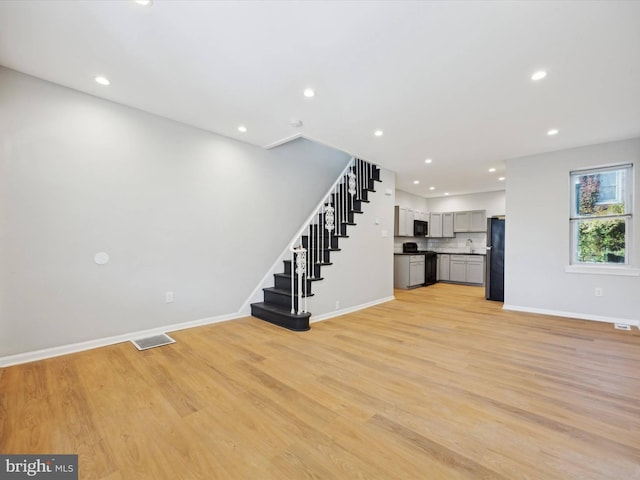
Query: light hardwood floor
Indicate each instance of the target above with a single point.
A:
(438, 384)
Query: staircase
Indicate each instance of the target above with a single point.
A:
(285, 304)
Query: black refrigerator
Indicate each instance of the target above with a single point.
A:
(494, 273)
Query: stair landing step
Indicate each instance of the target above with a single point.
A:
(281, 316)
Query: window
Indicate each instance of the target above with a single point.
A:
(601, 215)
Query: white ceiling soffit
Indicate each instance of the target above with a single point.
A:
(448, 81)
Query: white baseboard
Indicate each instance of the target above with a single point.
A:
(344, 311)
(580, 316)
(26, 357)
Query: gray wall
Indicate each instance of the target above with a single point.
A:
(176, 208)
(538, 242)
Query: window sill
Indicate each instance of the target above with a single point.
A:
(602, 270)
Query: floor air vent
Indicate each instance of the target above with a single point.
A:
(155, 341)
(622, 326)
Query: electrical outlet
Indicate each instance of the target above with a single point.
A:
(598, 292)
(168, 297)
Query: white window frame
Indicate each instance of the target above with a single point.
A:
(574, 219)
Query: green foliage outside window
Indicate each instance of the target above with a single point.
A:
(601, 241)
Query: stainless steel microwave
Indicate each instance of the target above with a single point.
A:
(420, 228)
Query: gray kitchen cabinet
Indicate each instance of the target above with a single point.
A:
(467, 269)
(403, 222)
(416, 271)
(444, 260)
(460, 221)
(408, 222)
(408, 271)
(478, 221)
(458, 268)
(447, 225)
(475, 269)
(435, 225)
(424, 216)
(472, 221)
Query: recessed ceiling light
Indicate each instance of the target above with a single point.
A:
(378, 133)
(553, 131)
(446, 193)
(102, 80)
(144, 3)
(501, 179)
(308, 92)
(242, 128)
(432, 188)
(539, 75)
(492, 169)
(428, 160)
(416, 182)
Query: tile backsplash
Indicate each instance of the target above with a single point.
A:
(473, 242)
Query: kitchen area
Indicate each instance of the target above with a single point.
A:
(461, 247)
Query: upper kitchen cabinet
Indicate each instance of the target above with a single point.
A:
(435, 225)
(403, 225)
(473, 221)
(441, 225)
(418, 215)
(447, 225)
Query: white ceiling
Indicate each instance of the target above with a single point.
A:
(444, 80)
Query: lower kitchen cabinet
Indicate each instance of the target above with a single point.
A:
(443, 267)
(475, 269)
(408, 271)
(458, 268)
(462, 268)
(416, 273)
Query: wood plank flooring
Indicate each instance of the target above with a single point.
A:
(438, 384)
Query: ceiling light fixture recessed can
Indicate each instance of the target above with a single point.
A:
(378, 133)
(242, 129)
(539, 75)
(553, 131)
(309, 92)
(432, 188)
(416, 182)
(428, 160)
(501, 179)
(492, 170)
(102, 80)
(446, 193)
(144, 3)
